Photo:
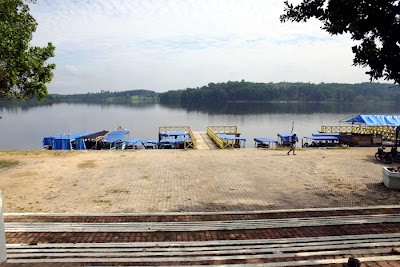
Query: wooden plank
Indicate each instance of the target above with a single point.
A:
(200, 258)
(231, 247)
(204, 213)
(305, 251)
(213, 242)
(199, 226)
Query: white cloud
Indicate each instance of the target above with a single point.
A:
(163, 45)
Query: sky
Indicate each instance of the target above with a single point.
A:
(163, 45)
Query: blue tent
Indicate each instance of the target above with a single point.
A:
(376, 120)
(63, 141)
(115, 136)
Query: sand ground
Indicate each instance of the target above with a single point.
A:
(193, 180)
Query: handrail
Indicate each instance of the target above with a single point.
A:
(221, 143)
(387, 132)
(223, 129)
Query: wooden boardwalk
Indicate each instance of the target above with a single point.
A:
(311, 237)
(204, 142)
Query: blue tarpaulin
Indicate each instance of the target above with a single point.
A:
(80, 144)
(174, 134)
(115, 136)
(150, 141)
(326, 134)
(228, 136)
(174, 141)
(323, 138)
(377, 120)
(63, 141)
(287, 137)
(132, 141)
(48, 141)
(264, 140)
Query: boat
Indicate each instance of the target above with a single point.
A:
(284, 139)
(62, 141)
(321, 140)
(264, 142)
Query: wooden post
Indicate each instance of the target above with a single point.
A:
(3, 254)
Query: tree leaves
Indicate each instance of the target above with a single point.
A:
(375, 23)
(23, 68)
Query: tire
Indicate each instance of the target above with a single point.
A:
(388, 159)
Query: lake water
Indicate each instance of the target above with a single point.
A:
(23, 126)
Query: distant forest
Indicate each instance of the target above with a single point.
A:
(126, 97)
(248, 92)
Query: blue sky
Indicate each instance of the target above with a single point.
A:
(165, 45)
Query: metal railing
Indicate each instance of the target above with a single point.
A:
(186, 129)
(387, 132)
(212, 132)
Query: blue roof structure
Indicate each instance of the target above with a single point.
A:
(377, 120)
(323, 138)
(286, 137)
(150, 141)
(115, 136)
(174, 141)
(228, 136)
(264, 140)
(326, 134)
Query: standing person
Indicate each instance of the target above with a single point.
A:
(293, 144)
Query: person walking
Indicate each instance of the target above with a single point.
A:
(293, 144)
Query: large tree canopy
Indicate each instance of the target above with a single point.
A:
(375, 23)
(23, 71)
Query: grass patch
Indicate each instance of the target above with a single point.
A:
(115, 191)
(8, 163)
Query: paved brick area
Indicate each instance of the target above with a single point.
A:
(202, 180)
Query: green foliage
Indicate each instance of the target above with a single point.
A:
(374, 23)
(219, 93)
(23, 72)
(126, 97)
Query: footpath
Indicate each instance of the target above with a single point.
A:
(308, 237)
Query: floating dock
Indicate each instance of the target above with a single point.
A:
(203, 141)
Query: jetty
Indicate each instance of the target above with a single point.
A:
(203, 141)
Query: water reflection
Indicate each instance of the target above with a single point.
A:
(289, 108)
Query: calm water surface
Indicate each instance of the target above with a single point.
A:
(24, 126)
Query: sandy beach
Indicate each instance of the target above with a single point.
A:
(193, 180)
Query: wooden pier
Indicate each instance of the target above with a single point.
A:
(204, 142)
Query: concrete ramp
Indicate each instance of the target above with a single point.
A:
(204, 142)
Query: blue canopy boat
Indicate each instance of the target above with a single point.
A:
(129, 144)
(240, 141)
(284, 139)
(321, 140)
(264, 142)
(112, 138)
(61, 141)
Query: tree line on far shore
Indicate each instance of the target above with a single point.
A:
(132, 96)
(230, 92)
